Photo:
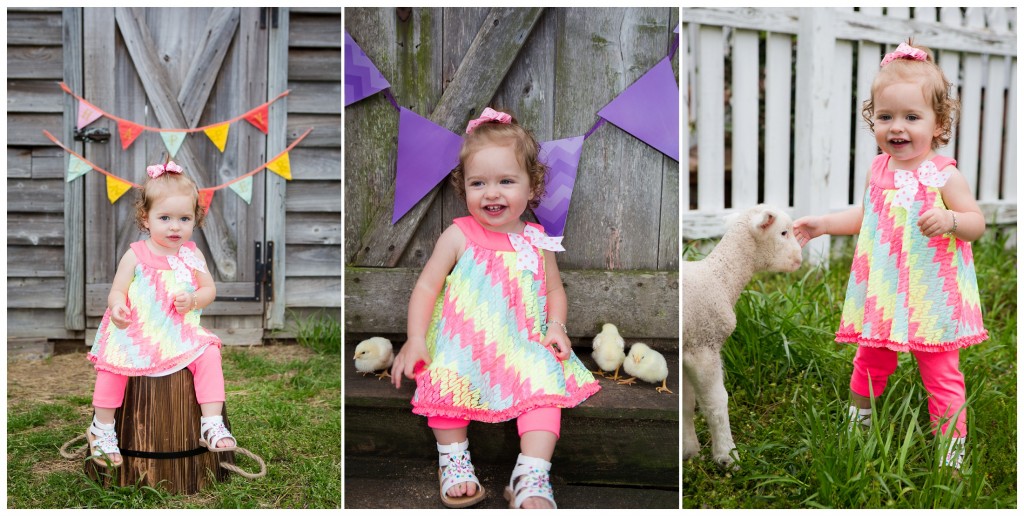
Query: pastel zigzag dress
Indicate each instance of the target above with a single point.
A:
(487, 361)
(158, 339)
(908, 291)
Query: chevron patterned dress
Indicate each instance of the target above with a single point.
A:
(487, 363)
(908, 291)
(158, 338)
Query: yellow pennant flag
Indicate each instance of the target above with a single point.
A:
(116, 188)
(281, 166)
(218, 135)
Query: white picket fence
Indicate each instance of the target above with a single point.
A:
(831, 146)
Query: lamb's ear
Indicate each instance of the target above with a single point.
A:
(764, 220)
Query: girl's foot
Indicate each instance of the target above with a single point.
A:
(103, 444)
(530, 485)
(459, 485)
(215, 436)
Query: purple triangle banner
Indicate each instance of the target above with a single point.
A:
(649, 109)
(362, 78)
(427, 152)
(563, 159)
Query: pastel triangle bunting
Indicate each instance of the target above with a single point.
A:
(87, 114)
(77, 168)
(206, 198)
(243, 188)
(281, 166)
(427, 152)
(218, 134)
(258, 117)
(116, 188)
(649, 109)
(173, 140)
(129, 132)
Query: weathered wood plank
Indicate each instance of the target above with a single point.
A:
(315, 97)
(314, 30)
(276, 210)
(35, 262)
(19, 162)
(39, 63)
(315, 10)
(326, 128)
(313, 228)
(315, 163)
(376, 301)
(313, 292)
(39, 323)
(34, 28)
(313, 260)
(486, 63)
(314, 64)
(35, 293)
(198, 83)
(314, 196)
(35, 229)
(74, 202)
(49, 162)
(27, 128)
(35, 195)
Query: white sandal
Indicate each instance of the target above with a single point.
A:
(213, 430)
(454, 467)
(529, 479)
(102, 443)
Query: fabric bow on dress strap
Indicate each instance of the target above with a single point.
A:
(927, 174)
(184, 263)
(526, 257)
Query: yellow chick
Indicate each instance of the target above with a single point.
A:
(374, 354)
(609, 350)
(646, 364)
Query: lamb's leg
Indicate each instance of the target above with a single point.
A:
(691, 446)
(714, 401)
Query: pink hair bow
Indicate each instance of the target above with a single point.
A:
(156, 171)
(526, 257)
(904, 51)
(489, 115)
(927, 174)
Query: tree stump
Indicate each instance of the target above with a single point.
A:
(158, 432)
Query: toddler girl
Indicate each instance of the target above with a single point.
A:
(151, 326)
(912, 284)
(493, 346)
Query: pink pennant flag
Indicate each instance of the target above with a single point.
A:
(129, 132)
(87, 114)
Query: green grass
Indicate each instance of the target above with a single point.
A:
(789, 387)
(284, 405)
(319, 332)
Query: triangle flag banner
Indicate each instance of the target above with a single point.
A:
(116, 188)
(258, 117)
(649, 109)
(87, 114)
(362, 78)
(244, 189)
(281, 166)
(172, 140)
(205, 198)
(218, 134)
(77, 168)
(562, 158)
(427, 152)
(128, 131)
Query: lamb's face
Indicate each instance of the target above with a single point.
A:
(780, 249)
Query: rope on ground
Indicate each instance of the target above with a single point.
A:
(79, 453)
(240, 471)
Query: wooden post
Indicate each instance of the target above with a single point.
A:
(161, 415)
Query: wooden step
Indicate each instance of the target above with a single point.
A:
(622, 436)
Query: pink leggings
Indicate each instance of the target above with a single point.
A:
(940, 372)
(546, 418)
(206, 373)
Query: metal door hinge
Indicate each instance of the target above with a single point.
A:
(264, 277)
(273, 12)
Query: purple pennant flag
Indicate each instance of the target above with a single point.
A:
(562, 158)
(649, 109)
(427, 152)
(362, 78)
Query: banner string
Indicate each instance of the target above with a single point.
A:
(218, 187)
(160, 130)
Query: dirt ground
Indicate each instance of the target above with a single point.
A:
(71, 373)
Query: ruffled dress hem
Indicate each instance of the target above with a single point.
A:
(178, 362)
(492, 416)
(962, 342)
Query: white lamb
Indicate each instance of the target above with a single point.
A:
(760, 239)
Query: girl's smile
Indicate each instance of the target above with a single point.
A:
(497, 188)
(905, 124)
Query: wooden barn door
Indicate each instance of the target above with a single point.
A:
(182, 68)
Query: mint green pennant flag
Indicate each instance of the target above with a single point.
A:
(77, 168)
(244, 189)
(173, 141)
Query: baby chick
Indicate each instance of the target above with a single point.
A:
(374, 354)
(646, 364)
(608, 350)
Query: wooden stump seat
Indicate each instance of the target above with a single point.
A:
(158, 431)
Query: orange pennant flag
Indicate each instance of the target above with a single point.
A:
(206, 198)
(116, 188)
(258, 117)
(129, 131)
(218, 134)
(281, 166)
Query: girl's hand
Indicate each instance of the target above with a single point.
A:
(807, 228)
(120, 315)
(183, 302)
(935, 222)
(413, 352)
(557, 339)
